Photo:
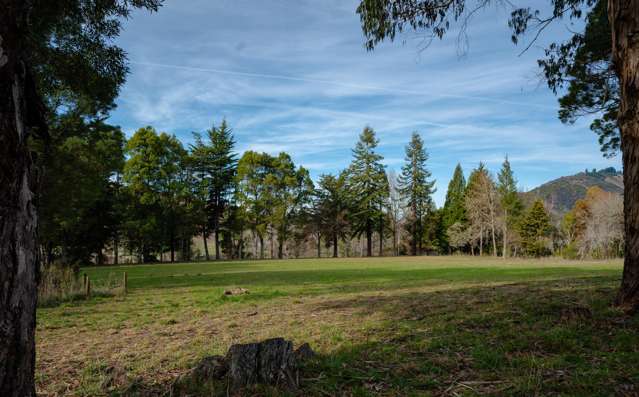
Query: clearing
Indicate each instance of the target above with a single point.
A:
(382, 326)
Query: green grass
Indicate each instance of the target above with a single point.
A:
(382, 326)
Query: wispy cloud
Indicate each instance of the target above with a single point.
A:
(295, 77)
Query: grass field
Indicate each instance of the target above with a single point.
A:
(382, 326)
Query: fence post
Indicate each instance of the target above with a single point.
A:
(125, 283)
(84, 281)
(87, 290)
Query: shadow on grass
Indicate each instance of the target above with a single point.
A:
(558, 337)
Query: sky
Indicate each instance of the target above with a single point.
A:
(294, 76)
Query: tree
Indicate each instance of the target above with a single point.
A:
(458, 235)
(534, 229)
(155, 175)
(416, 189)
(368, 187)
(481, 205)
(581, 68)
(384, 19)
(288, 190)
(215, 166)
(454, 207)
(333, 208)
(54, 56)
(78, 197)
(251, 193)
(511, 205)
(395, 209)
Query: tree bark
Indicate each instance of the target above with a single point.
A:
(334, 245)
(261, 238)
(18, 219)
(116, 250)
(319, 245)
(206, 244)
(504, 253)
(624, 23)
(381, 236)
(172, 247)
(369, 238)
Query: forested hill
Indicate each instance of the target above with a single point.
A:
(560, 194)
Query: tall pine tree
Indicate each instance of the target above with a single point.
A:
(215, 166)
(416, 190)
(454, 210)
(511, 205)
(368, 187)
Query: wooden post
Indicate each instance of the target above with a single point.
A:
(84, 281)
(125, 282)
(87, 291)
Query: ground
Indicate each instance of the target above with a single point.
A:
(408, 326)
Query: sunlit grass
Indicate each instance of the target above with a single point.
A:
(382, 326)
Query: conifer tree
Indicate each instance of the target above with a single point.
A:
(454, 210)
(416, 190)
(368, 187)
(511, 205)
(215, 166)
(534, 228)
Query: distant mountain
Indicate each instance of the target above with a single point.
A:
(560, 194)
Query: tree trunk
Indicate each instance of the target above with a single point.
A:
(504, 253)
(369, 238)
(261, 238)
(624, 23)
(18, 218)
(172, 243)
(206, 245)
(217, 243)
(319, 245)
(481, 241)
(381, 236)
(492, 229)
(334, 245)
(116, 249)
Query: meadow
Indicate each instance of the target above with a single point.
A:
(402, 326)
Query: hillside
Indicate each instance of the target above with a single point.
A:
(560, 195)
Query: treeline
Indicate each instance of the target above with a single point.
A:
(109, 200)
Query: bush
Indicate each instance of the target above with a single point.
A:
(60, 284)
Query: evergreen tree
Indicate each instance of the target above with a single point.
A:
(416, 190)
(215, 166)
(534, 229)
(511, 205)
(454, 209)
(368, 187)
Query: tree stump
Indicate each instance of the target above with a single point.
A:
(271, 362)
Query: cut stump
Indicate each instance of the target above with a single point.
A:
(271, 362)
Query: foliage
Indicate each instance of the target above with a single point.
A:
(581, 68)
(214, 165)
(158, 179)
(416, 189)
(454, 207)
(77, 65)
(535, 228)
(78, 201)
(509, 201)
(333, 208)
(367, 185)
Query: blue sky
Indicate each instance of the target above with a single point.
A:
(294, 76)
